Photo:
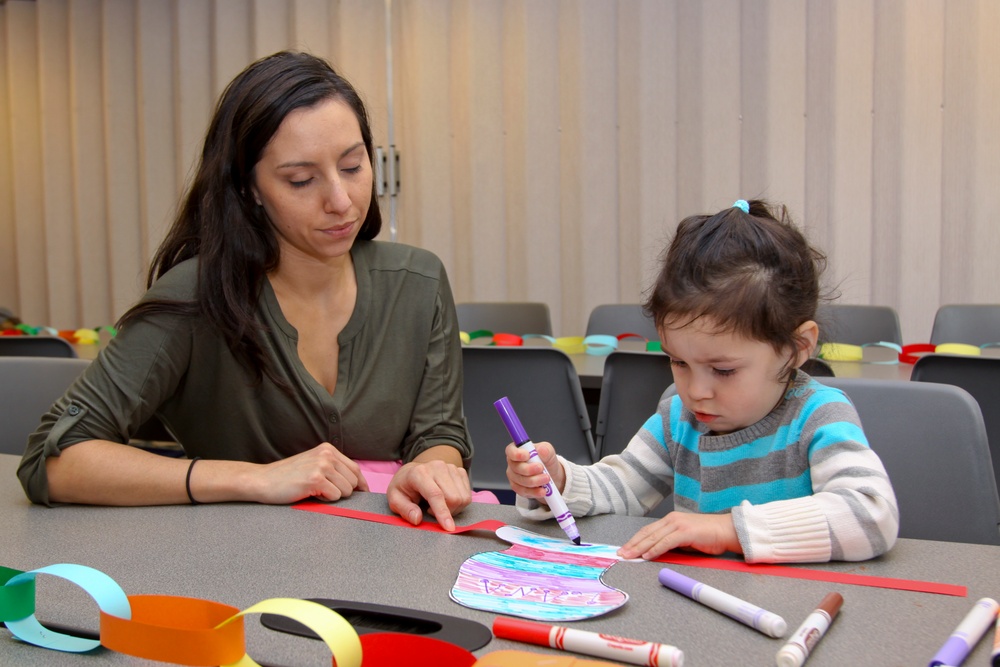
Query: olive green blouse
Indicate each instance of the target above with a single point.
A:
(398, 393)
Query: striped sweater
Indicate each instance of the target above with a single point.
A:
(802, 484)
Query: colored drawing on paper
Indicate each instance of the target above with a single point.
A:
(540, 578)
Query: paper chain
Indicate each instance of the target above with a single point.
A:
(180, 630)
(595, 344)
(79, 336)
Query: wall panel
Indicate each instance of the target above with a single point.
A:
(8, 258)
(548, 148)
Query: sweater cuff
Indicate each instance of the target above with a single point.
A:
(784, 531)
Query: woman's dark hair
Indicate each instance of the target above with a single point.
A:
(219, 221)
(753, 274)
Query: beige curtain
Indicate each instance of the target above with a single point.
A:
(548, 148)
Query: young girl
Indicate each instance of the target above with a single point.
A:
(762, 459)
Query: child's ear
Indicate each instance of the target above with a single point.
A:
(806, 337)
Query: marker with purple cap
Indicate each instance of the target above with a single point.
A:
(552, 497)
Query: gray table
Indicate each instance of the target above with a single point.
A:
(241, 554)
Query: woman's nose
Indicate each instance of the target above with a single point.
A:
(337, 200)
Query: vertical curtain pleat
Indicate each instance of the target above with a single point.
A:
(548, 147)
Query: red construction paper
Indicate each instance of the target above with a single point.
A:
(695, 560)
(388, 649)
(393, 519)
(676, 557)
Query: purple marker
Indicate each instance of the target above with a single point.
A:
(967, 634)
(522, 441)
(759, 619)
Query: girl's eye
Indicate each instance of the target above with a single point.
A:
(300, 184)
(677, 362)
(353, 170)
(724, 372)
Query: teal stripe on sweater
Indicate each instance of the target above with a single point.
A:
(724, 500)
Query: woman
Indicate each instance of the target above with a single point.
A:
(277, 341)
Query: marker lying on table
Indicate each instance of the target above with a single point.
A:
(802, 641)
(967, 634)
(733, 607)
(996, 646)
(620, 649)
(553, 498)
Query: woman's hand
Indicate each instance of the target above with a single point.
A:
(323, 472)
(527, 477)
(444, 485)
(709, 533)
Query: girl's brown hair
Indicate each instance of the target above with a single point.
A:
(753, 273)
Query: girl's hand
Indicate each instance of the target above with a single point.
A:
(528, 478)
(709, 533)
(443, 485)
(323, 471)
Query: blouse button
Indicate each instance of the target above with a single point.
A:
(73, 410)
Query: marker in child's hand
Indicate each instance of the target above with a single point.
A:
(522, 441)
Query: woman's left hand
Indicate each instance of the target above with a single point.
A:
(443, 485)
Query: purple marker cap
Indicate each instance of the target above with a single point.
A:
(952, 653)
(677, 581)
(511, 421)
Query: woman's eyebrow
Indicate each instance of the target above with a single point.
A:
(310, 163)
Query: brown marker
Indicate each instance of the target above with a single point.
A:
(802, 641)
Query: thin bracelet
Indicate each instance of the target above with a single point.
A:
(187, 480)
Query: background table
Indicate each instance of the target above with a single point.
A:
(240, 554)
(590, 368)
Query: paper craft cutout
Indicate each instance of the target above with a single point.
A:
(540, 578)
(683, 558)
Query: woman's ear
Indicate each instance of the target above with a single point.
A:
(806, 339)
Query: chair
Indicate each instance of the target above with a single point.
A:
(543, 389)
(932, 441)
(980, 376)
(975, 324)
(630, 392)
(519, 318)
(618, 318)
(858, 324)
(36, 346)
(28, 388)
(817, 368)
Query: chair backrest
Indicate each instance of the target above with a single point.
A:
(817, 368)
(28, 388)
(526, 317)
(630, 392)
(617, 318)
(859, 324)
(980, 376)
(932, 441)
(543, 389)
(35, 346)
(975, 324)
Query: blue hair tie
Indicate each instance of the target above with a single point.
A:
(742, 205)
